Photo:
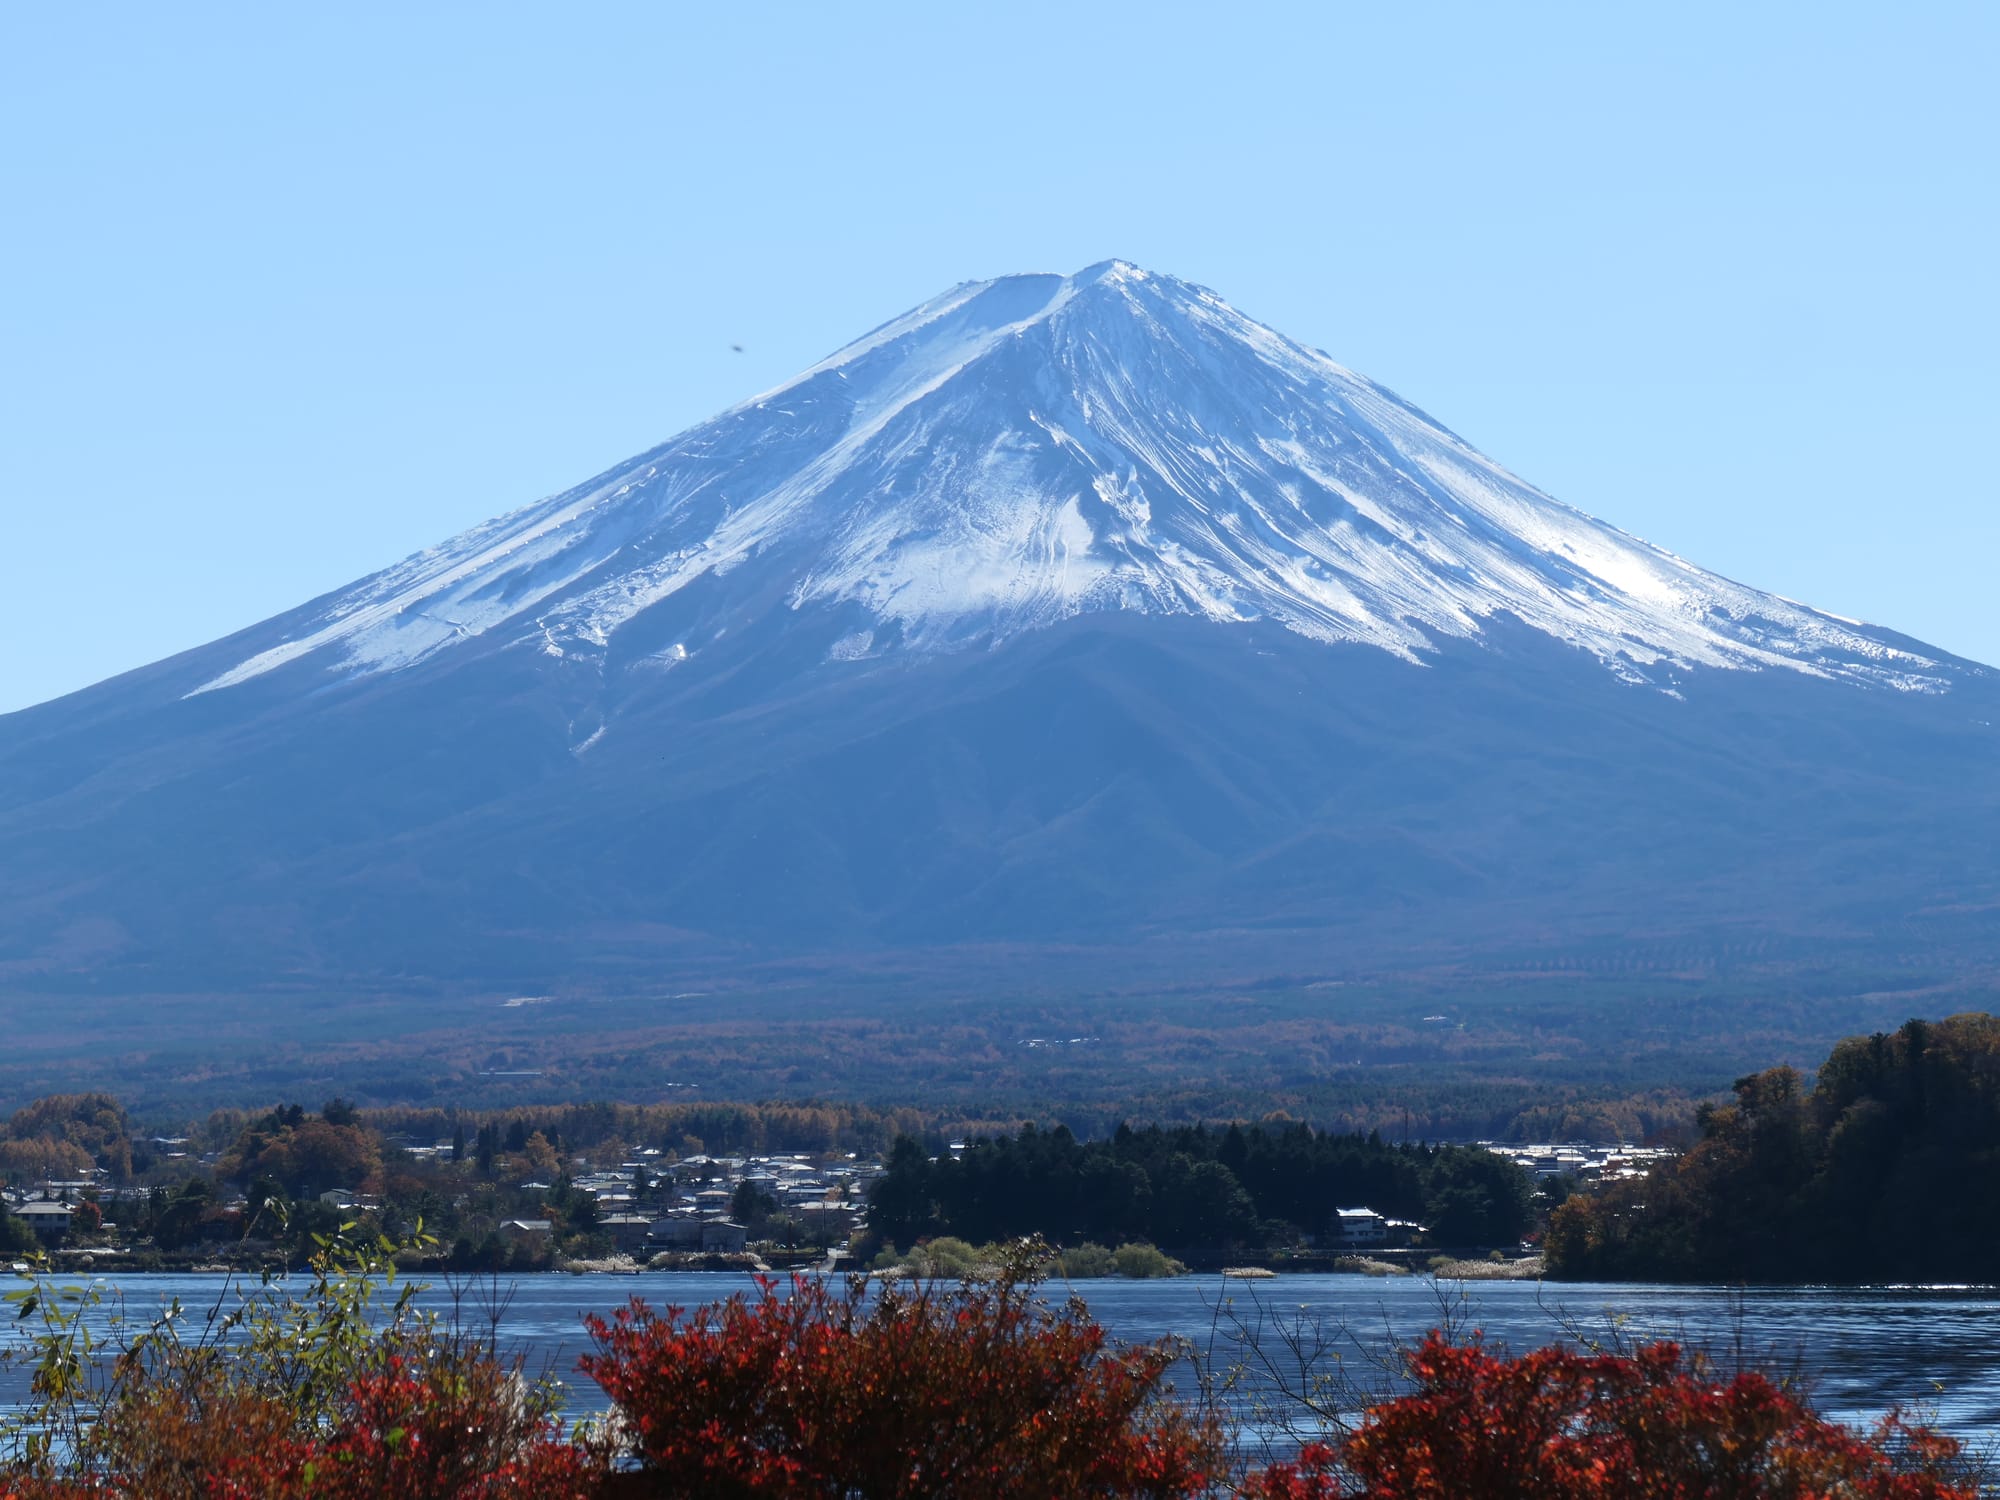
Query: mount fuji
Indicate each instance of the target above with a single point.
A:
(1060, 622)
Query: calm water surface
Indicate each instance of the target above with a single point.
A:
(1867, 1348)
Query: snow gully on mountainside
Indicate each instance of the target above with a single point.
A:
(1020, 451)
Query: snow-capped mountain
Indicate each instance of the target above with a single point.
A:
(1060, 616)
(1022, 451)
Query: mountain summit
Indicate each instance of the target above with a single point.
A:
(1023, 451)
(1058, 622)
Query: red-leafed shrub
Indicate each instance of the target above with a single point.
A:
(444, 1429)
(1559, 1424)
(437, 1426)
(339, 1390)
(1315, 1474)
(979, 1392)
(202, 1435)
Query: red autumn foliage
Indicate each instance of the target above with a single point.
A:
(980, 1392)
(453, 1431)
(411, 1428)
(1560, 1424)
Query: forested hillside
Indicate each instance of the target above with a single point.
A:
(1885, 1169)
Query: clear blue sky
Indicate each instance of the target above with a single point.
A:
(293, 291)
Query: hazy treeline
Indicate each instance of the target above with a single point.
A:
(715, 1129)
(1487, 1057)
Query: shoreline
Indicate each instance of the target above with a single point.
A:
(102, 1261)
(1461, 1271)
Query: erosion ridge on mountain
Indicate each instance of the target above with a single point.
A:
(1060, 622)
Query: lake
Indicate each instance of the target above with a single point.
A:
(1866, 1348)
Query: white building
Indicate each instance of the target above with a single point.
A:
(50, 1221)
(1361, 1226)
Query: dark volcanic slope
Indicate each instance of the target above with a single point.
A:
(1061, 611)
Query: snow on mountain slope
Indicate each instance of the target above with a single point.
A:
(1020, 451)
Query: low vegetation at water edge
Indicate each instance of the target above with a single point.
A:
(955, 1259)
